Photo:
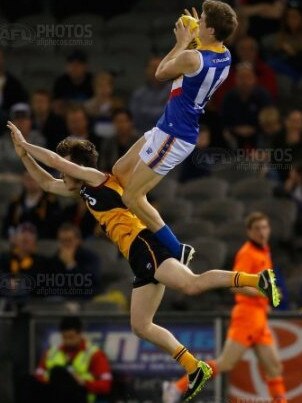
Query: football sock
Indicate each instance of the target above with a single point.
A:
(241, 279)
(276, 389)
(169, 240)
(185, 359)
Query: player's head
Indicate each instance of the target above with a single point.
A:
(71, 331)
(81, 152)
(258, 227)
(218, 20)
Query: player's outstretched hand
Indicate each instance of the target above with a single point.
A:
(184, 35)
(17, 138)
(193, 13)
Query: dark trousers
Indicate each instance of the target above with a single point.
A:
(62, 388)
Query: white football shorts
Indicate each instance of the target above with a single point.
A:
(163, 152)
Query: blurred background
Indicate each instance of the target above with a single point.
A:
(86, 69)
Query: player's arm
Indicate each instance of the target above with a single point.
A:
(91, 176)
(179, 60)
(46, 181)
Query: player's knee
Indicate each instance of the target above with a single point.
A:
(189, 288)
(139, 328)
(130, 199)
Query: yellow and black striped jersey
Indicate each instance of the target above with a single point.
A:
(106, 205)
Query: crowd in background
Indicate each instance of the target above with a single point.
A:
(256, 114)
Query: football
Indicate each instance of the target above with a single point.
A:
(193, 24)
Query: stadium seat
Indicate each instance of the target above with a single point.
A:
(210, 254)
(158, 7)
(38, 80)
(107, 252)
(164, 24)
(187, 230)
(127, 24)
(165, 190)
(220, 211)
(36, 19)
(207, 188)
(252, 188)
(233, 234)
(181, 209)
(9, 190)
(283, 209)
(134, 44)
(33, 39)
(96, 21)
(161, 44)
(233, 172)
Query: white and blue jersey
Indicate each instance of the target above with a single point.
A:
(190, 94)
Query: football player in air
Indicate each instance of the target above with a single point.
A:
(196, 75)
(153, 265)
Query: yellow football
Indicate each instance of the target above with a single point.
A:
(187, 20)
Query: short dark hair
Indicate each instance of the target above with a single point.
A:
(221, 17)
(254, 217)
(73, 108)
(42, 91)
(67, 226)
(77, 55)
(71, 323)
(81, 152)
(120, 111)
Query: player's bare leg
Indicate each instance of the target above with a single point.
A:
(144, 303)
(269, 359)
(175, 275)
(140, 183)
(124, 166)
(231, 354)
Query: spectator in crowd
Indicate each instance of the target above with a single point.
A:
(125, 135)
(78, 215)
(20, 114)
(264, 15)
(241, 106)
(270, 126)
(76, 371)
(290, 140)
(80, 266)
(247, 51)
(198, 164)
(52, 126)
(103, 104)
(75, 84)
(77, 122)
(22, 263)
(11, 90)
(288, 42)
(147, 102)
(34, 206)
